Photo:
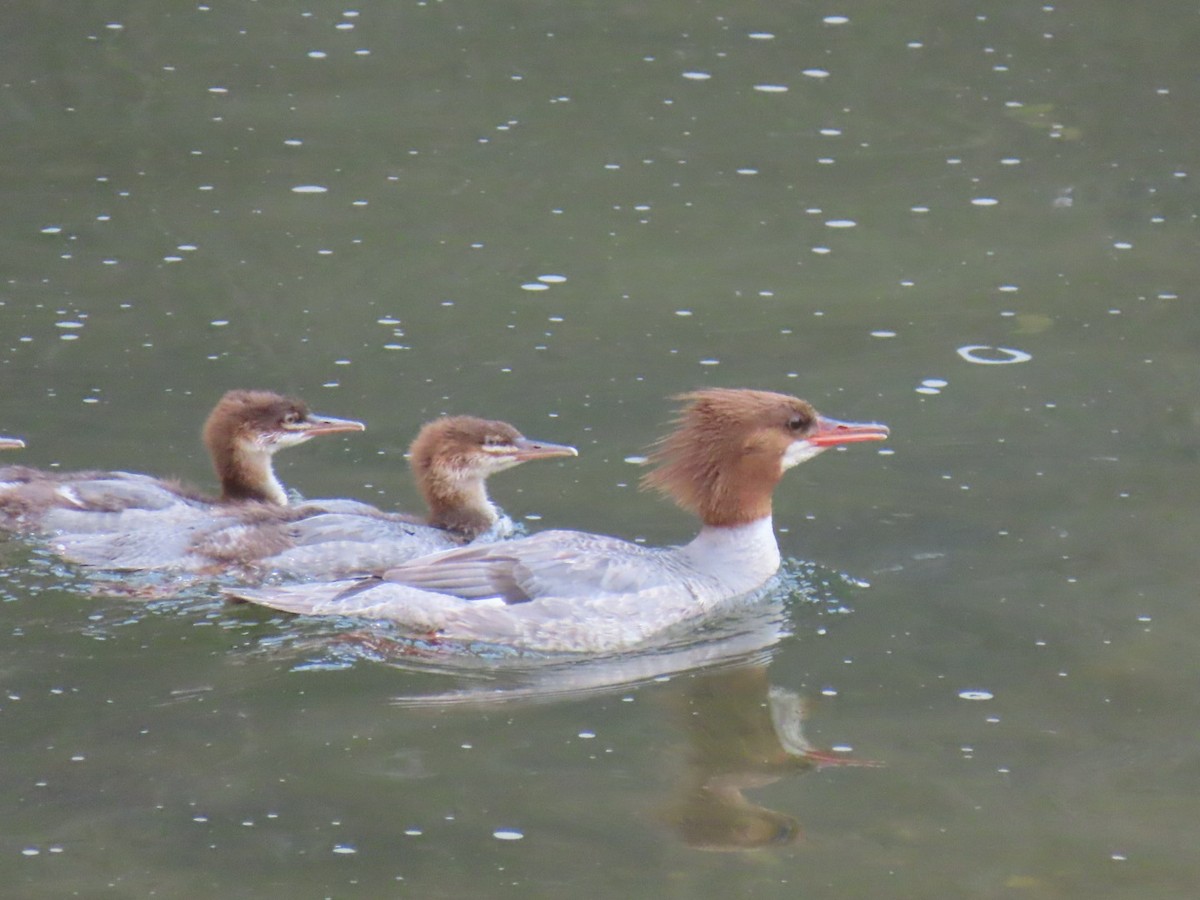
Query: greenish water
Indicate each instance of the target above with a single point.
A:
(999, 609)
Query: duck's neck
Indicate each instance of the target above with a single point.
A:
(741, 556)
(247, 474)
(460, 505)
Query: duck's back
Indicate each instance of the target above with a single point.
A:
(36, 499)
(314, 539)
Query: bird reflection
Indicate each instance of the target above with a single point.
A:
(742, 733)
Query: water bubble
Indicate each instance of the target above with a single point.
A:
(975, 694)
(1006, 355)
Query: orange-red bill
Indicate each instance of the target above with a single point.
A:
(831, 432)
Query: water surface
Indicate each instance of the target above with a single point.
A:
(559, 215)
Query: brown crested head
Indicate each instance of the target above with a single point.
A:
(731, 446)
(457, 444)
(452, 458)
(241, 415)
(246, 427)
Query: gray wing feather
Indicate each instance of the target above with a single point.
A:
(553, 563)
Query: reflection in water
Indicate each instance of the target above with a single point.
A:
(489, 674)
(743, 733)
(738, 731)
(747, 632)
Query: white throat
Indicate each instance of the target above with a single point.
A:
(473, 495)
(798, 452)
(257, 470)
(741, 556)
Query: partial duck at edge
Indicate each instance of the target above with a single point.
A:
(244, 431)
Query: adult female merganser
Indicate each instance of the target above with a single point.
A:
(243, 432)
(568, 591)
(451, 459)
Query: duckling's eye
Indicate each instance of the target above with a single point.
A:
(493, 440)
(293, 418)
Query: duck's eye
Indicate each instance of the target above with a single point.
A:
(293, 418)
(797, 423)
(493, 440)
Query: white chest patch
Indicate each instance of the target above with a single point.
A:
(741, 556)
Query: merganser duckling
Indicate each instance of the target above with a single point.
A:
(451, 459)
(569, 591)
(243, 432)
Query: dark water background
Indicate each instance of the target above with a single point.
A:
(831, 199)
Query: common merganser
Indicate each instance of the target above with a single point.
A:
(569, 591)
(243, 432)
(451, 459)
